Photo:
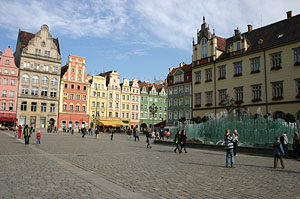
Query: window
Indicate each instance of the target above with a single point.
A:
(238, 68)
(116, 114)
(83, 108)
(136, 107)
(54, 69)
(209, 98)
(136, 116)
(180, 89)
(38, 51)
(37, 66)
(4, 93)
(26, 65)
(204, 48)
(10, 106)
(117, 96)
(47, 53)
(46, 68)
(45, 80)
(84, 97)
(71, 107)
(255, 65)
(93, 104)
(208, 75)
(84, 88)
(222, 72)
(98, 104)
(66, 85)
(3, 106)
(297, 55)
(187, 89)
(132, 107)
(7, 62)
(12, 82)
(12, 94)
(72, 77)
(79, 70)
(65, 95)
(198, 99)
(79, 78)
(98, 94)
(110, 95)
(117, 105)
(132, 116)
(127, 97)
(78, 87)
(137, 98)
(5, 71)
(54, 81)
(170, 102)
(239, 96)
(94, 93)
(170, 115)
(256, 93)
(187, 101)
(198, 77)
(5, 81)
(222, 95)
(77, 97)
(180, 102)
(298, 87)
(127, 107)
(175, 92)
(33, 106)
(34, 90)
(25, 78)
(110, 104)
(123, 97)
(25, 90)
(13, 72)
(23, 106)
(52, 108)
(238, 45)
(277, 90)
(276, 60)
(72, 86)
(77, 108)
(73, 70)
(71, 96)
(102, 104)
(35, 79)
(65, 107)
(53, 92)
(103, 94)
(43, 107)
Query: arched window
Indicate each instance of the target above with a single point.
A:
(54, 81)
(204, 48)
(35, 79)
(25, 78)
(45, 80)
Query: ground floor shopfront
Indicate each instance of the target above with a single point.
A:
(8, 119)
(74, 121)
(38, 120)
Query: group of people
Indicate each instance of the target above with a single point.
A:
(27, 132)
(180, 141)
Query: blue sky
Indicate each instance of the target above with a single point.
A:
(139, 38)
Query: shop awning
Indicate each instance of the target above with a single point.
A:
(8, 117)
(161, 124)
(112, 123)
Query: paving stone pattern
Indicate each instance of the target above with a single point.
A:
(68, 166)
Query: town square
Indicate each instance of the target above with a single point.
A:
(149, 99)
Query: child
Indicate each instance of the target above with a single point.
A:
(278, 152)
(15, 135)
(38, 137)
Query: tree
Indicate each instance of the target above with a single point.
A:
(289, 118)
(205, 119)
(182, 120)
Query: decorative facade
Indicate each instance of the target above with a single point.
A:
(97, 99)
(8, 89)
(74, 103)
(179, 87)
(125, 100)
(258, 69)
(152, 94)
(135, 103)
(39, 61)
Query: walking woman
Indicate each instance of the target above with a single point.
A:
(26, 134)
(183, 140)
(177, 141)
(296, 143)
(19, 131)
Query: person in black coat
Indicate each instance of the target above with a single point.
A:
(183, 140)
(177, 140)
(148, 135)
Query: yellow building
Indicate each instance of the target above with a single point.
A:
(125, 99)
(259, 69)
(97, 99)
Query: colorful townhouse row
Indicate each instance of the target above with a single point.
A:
(257, 69)
(37, 91)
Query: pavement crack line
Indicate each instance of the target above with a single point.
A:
(88, 176)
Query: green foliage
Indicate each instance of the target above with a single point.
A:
(205, 119)
(289, 118)
(182, 119)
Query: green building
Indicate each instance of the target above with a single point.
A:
(152, 94)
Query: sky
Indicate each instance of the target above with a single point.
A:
(139, 38)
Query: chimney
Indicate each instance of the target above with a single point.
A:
(250, 27)
(289, 14)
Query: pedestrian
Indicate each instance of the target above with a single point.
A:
(296, 143)
(31, 130)
(97, 133)
(183, 140)
(229, 148)
(111, 134)
(38, 137)
(177, 140)
(55, 129)
(235, 143)
(26, 134)
(19, 131)
(83, 131)
(278, 152)
(128, 133)
(16, 134)
(136, 135)
(148, 135)
(285, 143)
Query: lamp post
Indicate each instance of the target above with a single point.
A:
(153, 109)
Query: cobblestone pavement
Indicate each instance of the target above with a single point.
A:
(68, 166)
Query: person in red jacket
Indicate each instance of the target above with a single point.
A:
(38, 137)
(19, 131)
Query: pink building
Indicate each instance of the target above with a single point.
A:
(8, 88)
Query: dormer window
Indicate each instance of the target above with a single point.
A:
(238, 45)
(204, 48)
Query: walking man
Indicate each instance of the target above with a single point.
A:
(26, 134)
(229, 148)
(147, 138)
(183, 140)
(177, 141)
(278, 152)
